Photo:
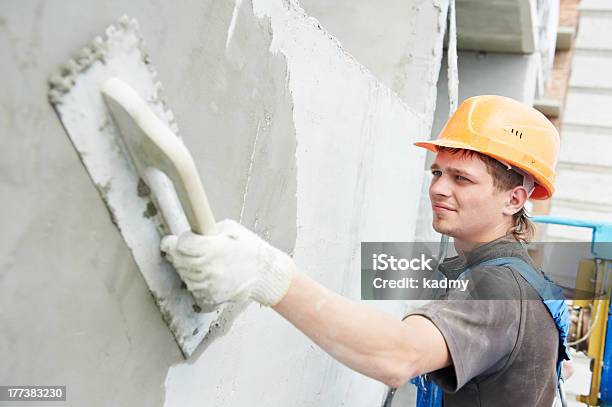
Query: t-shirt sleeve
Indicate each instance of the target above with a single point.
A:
(480, 333)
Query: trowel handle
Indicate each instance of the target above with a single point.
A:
(194, 201)
(154, 148)
(173, 164)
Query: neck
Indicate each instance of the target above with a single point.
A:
(469, 243)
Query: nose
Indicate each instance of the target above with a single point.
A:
(440, 186)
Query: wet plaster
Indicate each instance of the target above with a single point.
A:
(285, 127)
(401, 43)
(81, 318)
(352, 159)
(239, 96)
(73, 301)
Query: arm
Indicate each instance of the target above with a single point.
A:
(237, 265)
(362, 338)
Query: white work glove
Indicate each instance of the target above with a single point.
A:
(233, 265)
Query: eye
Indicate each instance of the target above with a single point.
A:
(462, 179)
(436, 173)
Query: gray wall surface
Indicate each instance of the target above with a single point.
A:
(291, 135)
(399, 41)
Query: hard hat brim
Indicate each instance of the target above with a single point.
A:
(433, 145)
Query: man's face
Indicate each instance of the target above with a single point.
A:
(464, 201)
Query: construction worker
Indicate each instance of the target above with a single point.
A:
(492, 155)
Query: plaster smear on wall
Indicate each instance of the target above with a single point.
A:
(358, 178)
(232, 26)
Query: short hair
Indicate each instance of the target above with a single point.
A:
(504, 179)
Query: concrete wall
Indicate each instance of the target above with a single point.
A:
(290, 134)
(387, 37)
(498, 26)
(510, 26)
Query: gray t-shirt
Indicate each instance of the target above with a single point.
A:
(502, 340)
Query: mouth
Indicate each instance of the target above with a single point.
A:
(438, 207)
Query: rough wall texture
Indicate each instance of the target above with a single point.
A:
(291, 135)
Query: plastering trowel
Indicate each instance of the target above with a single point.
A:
(110, 104)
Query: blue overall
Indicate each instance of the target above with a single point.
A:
(429, 394)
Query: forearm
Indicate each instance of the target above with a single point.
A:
(364, 339)
(236, 265)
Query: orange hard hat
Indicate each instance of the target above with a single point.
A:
(508, 131)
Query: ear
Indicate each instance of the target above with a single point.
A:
(516, 199)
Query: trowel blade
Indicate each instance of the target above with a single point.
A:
(76, 97)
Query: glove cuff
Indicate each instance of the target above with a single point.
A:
(275, 280)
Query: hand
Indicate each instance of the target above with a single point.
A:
(233, 265)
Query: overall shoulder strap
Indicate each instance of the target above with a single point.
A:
(550, 294)
(546, 288)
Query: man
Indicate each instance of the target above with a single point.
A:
(501, 350)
